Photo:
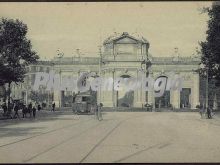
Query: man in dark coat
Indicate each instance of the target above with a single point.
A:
(30, 109)
(38, 107)
(209, 113)
(4, 107)
(24, 110)
(53, 106)
(16, 108)
(34, 111)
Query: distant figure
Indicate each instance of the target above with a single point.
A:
(159, 104)
(24, 110)
(34, 111)
(209, 112)
(30, 105)
(99, 112)
(74, 98)
(9, 115)
(53, 106)
(30, 109)
(38, 107)
(4, 107)
(201, 110)
(16, 108)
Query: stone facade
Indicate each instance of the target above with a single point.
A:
(124, 56)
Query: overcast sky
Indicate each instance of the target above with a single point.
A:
(72, 25)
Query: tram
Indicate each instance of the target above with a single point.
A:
(84, 104)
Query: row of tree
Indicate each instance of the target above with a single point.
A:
(211, 47)
(15, 53)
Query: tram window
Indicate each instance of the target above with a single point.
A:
(85, 99)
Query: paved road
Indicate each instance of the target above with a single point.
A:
(119, 137)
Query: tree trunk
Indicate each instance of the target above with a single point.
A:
(9, 93)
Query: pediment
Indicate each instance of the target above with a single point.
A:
(126, 40)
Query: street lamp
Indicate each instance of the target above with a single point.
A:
(147, 64)
(60, 55)
(100, 61)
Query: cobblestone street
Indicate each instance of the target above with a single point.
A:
(119, 137)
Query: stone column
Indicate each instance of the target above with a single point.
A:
(151, 98)
(107, 95)
(57, 92)
(114, 98)
(195, 90)
(56, 97)
(175, 98)
(138, 93)
(151, 95)
(143, 92)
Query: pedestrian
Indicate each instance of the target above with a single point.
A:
(38, 107)
(34, 111)
(53, 106)
(99, 112)
(30, 109)
(4, 107)
(96, 111)
(212, 113)
(201, 111)
(209, 113)
(24, 110)
(9, 115)
(16, 108)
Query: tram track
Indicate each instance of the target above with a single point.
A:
(157, 145)
(97, 144)
(138, 152)
(76, 136)
(62, 142)
(105, 137)
(84, 158)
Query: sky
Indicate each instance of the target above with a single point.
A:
(68, 26)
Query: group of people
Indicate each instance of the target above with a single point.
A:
(30, 109)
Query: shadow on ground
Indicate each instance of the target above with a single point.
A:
(42, 116)
(7, 132)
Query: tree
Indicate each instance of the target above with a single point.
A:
(15, 52)
(210, 48)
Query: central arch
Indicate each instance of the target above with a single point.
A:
(164, 100)
(125, 98)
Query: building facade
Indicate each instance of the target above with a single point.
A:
(123, 56)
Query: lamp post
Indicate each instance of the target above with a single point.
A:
(207, 88)
(60, 55)
(100, 61)
(147, 64)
